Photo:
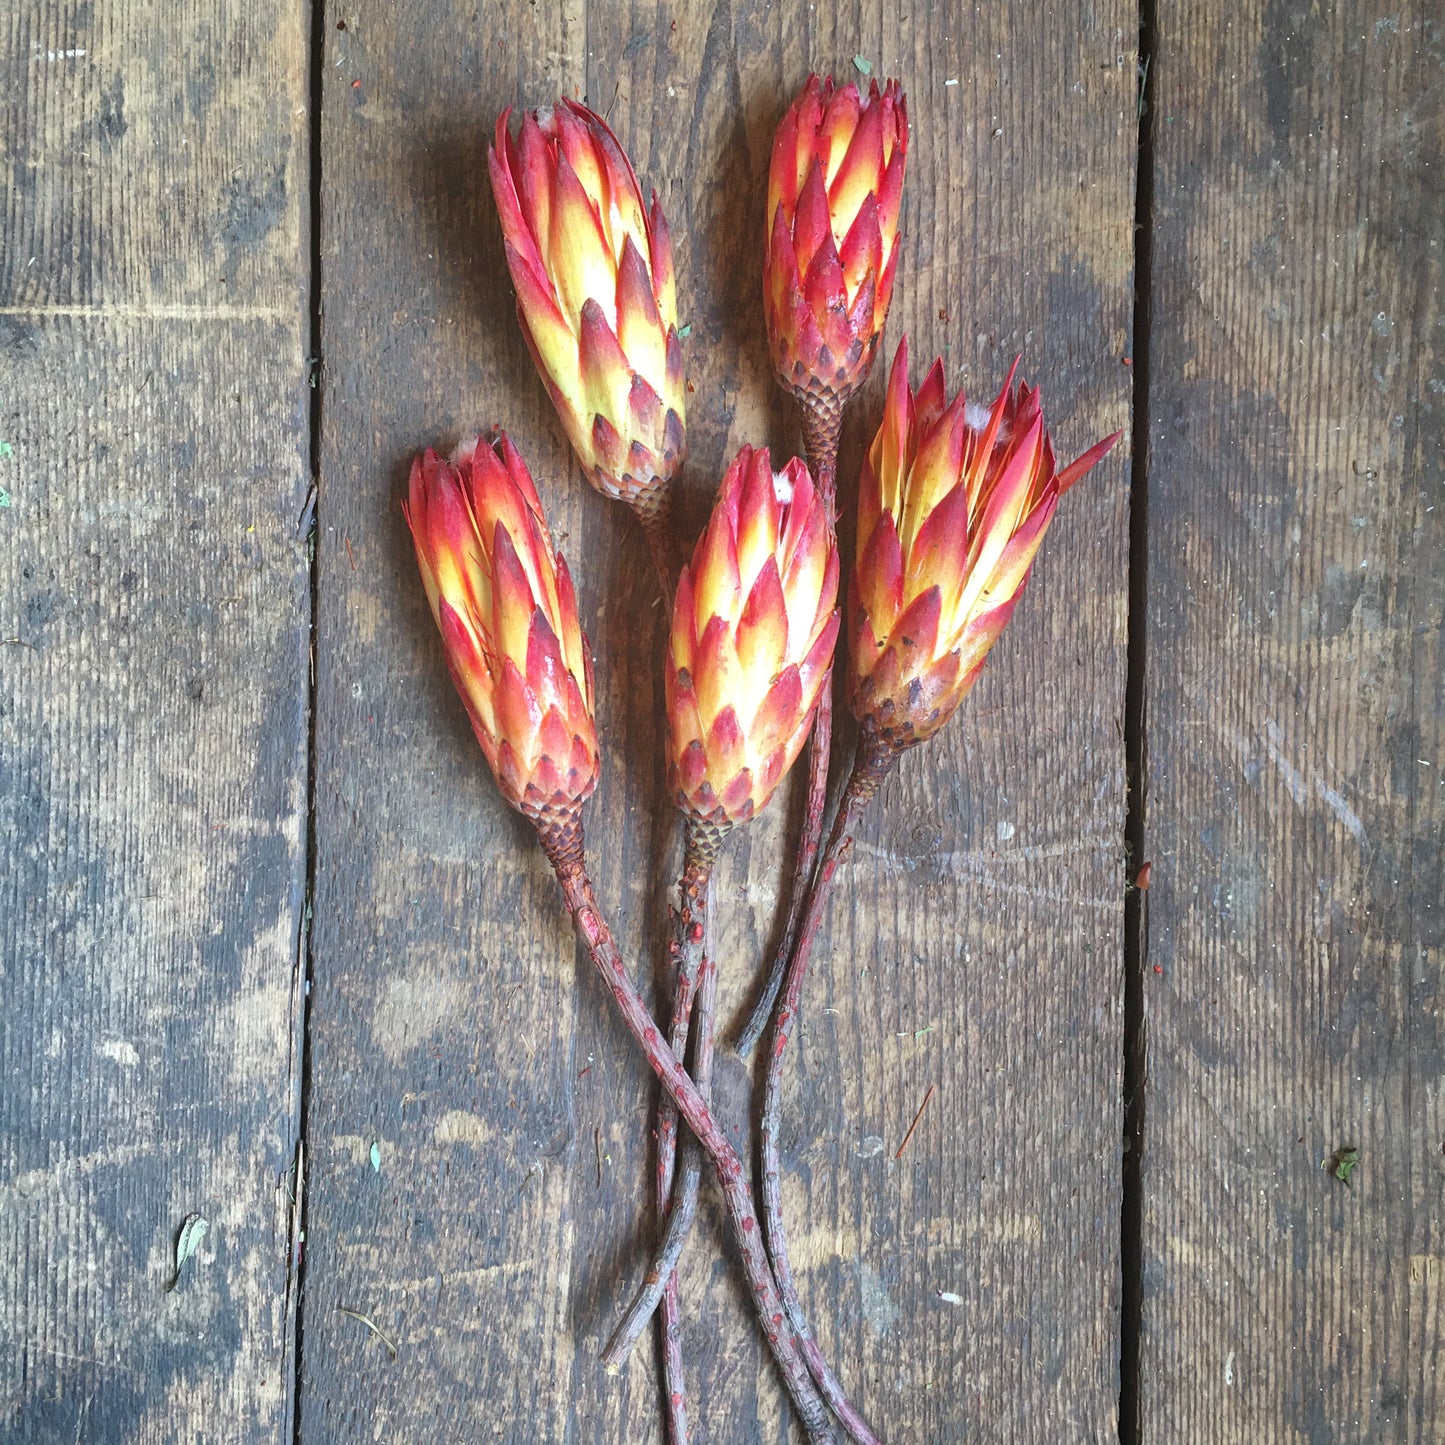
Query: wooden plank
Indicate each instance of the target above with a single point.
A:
(451, 1023)
(1297, 581)
(153, 696)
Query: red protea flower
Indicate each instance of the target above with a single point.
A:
(952, 505)
(503, 598)
(833, 198)
(753, 630)
(596, 297)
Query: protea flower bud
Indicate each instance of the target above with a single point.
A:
(833, 197)
(753, 630)
(503, 598)
(952, 505)
(596, 297)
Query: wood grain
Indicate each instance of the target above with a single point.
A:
(979, 950)
(153, 689)
(1296, 800)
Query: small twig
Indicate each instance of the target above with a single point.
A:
(350, 555)
(914, 1124)
(370, 1324)
(597, 1150)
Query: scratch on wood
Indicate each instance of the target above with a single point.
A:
(143, 312)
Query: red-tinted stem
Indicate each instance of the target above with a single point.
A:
(871, 767)
(822, 425)
(689, 1170)
(563, 845)
(690, 949)
(660, 1274)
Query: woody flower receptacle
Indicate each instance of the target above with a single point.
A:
(834, 191)
(596, 298)
(503, 599)
(953, 503)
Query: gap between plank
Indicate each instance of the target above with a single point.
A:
(314, 379)
(1136, 898)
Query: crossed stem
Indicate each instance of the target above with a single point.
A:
(561, 838)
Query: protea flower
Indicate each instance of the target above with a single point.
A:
(952, 505)
(833, 197)
(834, 190)
(596, 298)
(503, 598)
(753, 630)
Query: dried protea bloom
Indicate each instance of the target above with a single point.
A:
(952, 505)
(503, 598)
(833, 198)
(596, 298)
(752, 640)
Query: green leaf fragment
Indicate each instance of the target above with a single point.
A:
(863, 65)
(684, 331)
(376, 1156)
(4, 497)
(193, 1231)
(1343, 1164)
(6, 450)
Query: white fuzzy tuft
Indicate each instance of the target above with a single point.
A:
(782, 488)
(977, 418)
(465, 450)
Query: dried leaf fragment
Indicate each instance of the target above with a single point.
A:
(370, 1324)
(193, 1231)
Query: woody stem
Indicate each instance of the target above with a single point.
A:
(870, 768)
(693, 973)
(822, 427)
(563, 845)
(659, 1283)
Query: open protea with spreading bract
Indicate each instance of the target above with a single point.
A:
(952, 505)
(834, 192)
(503, 599)
(752, 639)
(596, 297)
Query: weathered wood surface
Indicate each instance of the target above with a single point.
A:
(1296, 698)
(153, 687)
(978, 946)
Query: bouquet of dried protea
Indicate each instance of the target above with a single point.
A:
(953, 502)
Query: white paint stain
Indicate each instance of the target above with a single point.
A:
(122, 1051)
(1229, 1368)
(878, 1309)
(457, 1126)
